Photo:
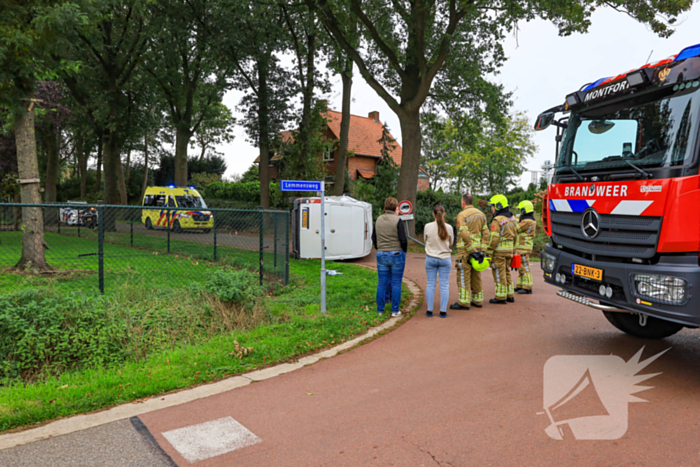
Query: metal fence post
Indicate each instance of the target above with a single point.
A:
(132, 228)
(288, 219)
(58, 216)
(274, 223)
(100, 245)
(167, 218)
(214, 219)
(261, 245)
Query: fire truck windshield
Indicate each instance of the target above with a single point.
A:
(646, 135)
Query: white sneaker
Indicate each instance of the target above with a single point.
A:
(396, 315)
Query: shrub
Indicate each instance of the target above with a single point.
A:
(452, 202)
(243, 191)
(45, 332)
(234, 286)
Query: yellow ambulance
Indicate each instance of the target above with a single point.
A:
(177, 208)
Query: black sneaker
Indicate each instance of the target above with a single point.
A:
(510, 299)
(443, 314)
(525, 291)
(477, 306)
(496, 301)
(458, 306)
(429, 314)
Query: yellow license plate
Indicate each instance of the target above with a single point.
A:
(305, 218)
(586, 271)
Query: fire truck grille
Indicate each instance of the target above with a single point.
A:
(620, 236)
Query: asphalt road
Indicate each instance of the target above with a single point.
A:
(223, 238)
(120, 444)
(461, 391)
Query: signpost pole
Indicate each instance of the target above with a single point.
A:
(303, 185)
(323, 248)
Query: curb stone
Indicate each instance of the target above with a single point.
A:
(132, 409)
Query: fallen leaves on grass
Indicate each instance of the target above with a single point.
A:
(240, 351)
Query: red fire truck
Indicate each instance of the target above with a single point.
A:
(623, 208)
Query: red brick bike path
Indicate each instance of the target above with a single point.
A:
(460, 391)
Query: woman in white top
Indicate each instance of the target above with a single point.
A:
(438, 237)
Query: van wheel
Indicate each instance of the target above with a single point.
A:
(176, 227)
(149, 225)
(654, 328)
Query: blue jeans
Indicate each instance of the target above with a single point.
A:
(390, 265)
(433, 267)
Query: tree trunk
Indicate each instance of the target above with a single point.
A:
(33, 255)
(52, 166)
(123, 197)
(128, 166)
(98, 173)
(82, 165)
(263, 133)
(340, 168)
(410, 162)
(145, 165)
(182, 140)
(111, 162)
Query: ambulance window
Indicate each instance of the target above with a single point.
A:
(159, 200)
(171, 202)
(147, 200)
(190, 201)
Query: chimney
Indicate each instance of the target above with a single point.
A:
(374, 115)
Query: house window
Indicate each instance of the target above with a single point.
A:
(330, 180)
(328, 155)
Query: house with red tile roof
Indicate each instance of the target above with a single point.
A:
(364, 149)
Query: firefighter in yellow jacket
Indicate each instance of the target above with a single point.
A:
(523, 246)
(501, 246)
(472, 232)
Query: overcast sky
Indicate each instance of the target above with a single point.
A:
(541, 69)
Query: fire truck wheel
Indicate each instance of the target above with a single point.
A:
(654, 328)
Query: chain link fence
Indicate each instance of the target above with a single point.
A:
(159, 244)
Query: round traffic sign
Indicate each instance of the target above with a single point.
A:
(405, 207)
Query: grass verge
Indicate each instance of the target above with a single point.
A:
(172, 338)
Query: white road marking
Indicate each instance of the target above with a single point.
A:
(209, 439)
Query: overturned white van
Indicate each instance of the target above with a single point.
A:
(348, 228)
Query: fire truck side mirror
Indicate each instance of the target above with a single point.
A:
(544, 120)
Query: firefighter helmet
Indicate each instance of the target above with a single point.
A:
(479, 261)
(526, 207)
(499, 202)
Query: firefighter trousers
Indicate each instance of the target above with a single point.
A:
(501, 276)
(524, 271)
(468, 283)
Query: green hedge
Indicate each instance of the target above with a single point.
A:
(426, 200)
(248, 192)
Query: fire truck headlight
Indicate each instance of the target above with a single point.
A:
(661, 289)
(548, 262)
